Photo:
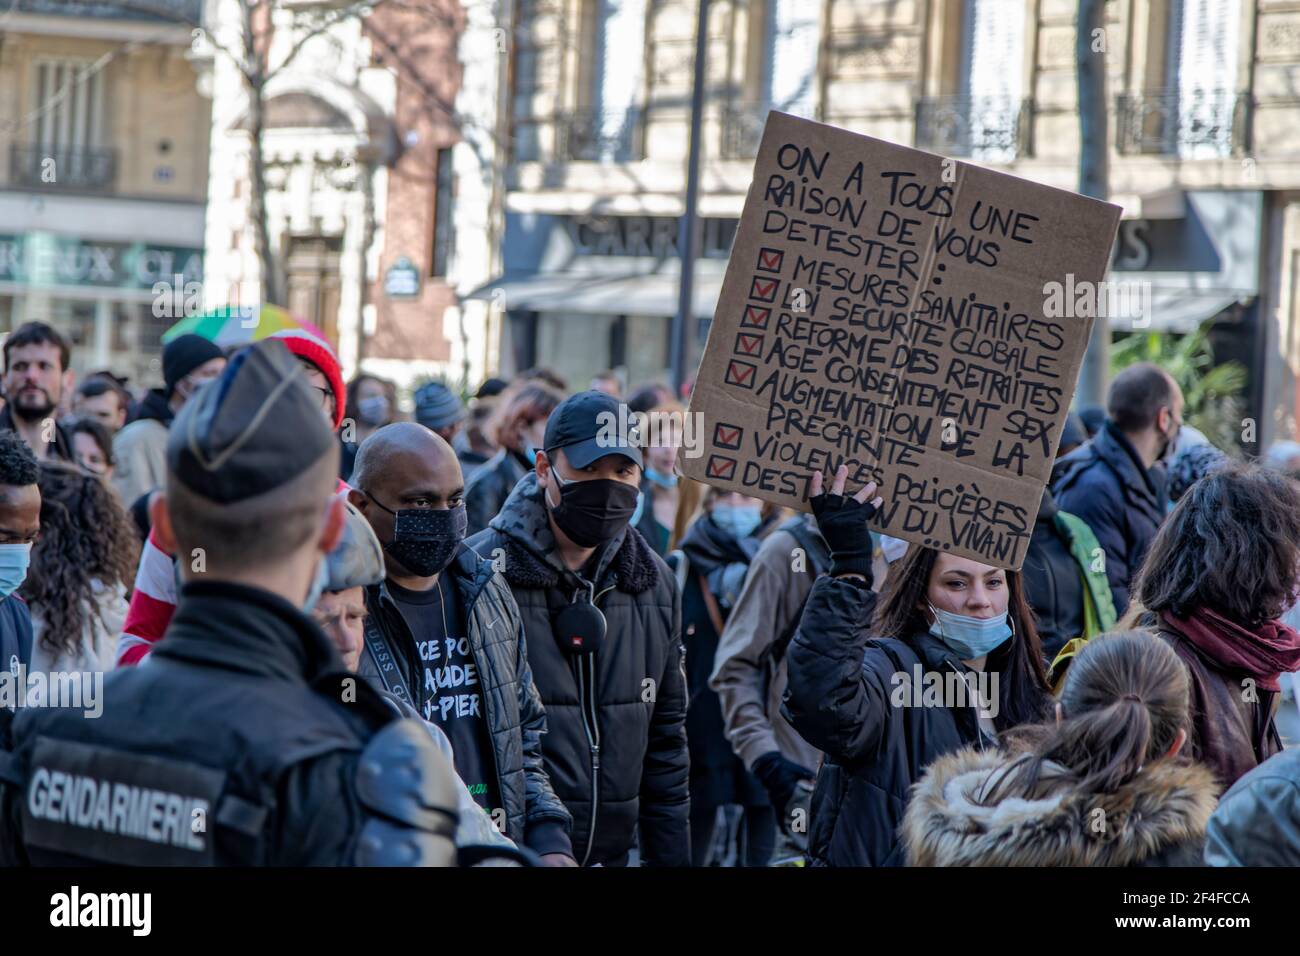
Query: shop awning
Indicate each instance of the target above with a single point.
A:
(1176, 310)
(1169, 310)
(636, 294)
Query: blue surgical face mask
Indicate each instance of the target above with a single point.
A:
(317, 585)
(660, 479)
(970, 637)
(740, 520)
(14, 560)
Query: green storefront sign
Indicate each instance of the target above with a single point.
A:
(43, 259)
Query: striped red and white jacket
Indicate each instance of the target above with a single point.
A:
(153, 602)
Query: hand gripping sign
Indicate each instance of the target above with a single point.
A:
(884, 308)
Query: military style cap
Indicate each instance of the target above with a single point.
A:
(250, 431)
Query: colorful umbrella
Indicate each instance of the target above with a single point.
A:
(235, 325)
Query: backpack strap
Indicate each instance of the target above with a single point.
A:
(819, 562)
(813, 544)
(681, 568)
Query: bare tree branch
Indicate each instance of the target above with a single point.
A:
(354, 9)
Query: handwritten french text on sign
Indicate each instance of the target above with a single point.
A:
(883, 308)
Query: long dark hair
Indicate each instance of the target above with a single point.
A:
(84, 534)
(1232, 544)
(98, 434)
(1023, 689)
(350, 409)
(1125, 698)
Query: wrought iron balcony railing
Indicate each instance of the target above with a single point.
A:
(989, 128)
(605, 136)
(38, 167)
(1194, 124)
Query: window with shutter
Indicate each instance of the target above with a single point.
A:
(793, 37)
(993, 49)
(1203, 76)
(619, 57)
(68, 98)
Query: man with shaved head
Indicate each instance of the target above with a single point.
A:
(444, 635)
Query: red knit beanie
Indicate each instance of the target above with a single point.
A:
(317, 351)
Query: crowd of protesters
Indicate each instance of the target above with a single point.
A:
(483, 628)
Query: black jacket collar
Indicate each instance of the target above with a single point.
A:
(531, 559)
(1142, 487)
(1118, 452)
(247, 629)
(469, 572)
(156, 407)
(934, 653)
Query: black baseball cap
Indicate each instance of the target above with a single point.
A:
(590, 425)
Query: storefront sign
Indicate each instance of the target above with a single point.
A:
(651, 236)
(44, 259)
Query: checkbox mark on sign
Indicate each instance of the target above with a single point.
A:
(748, 343)
(740, 373)
(721, 468)
(728, 436)
(763, 289)
(755, 317)
(769, 260)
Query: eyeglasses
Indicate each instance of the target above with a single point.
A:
(325, 396)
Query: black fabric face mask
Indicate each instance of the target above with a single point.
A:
(425, 540)
(592, 512)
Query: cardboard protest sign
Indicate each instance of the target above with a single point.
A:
(903, 314)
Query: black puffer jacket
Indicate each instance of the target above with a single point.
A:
(1106, 485)
(535, 816)
(627, 767)
(490, 486)
(841, 699)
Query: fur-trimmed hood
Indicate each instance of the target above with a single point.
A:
(532, 557)
(1165, 807)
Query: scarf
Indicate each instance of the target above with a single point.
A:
(709, 546)
(1263, 654)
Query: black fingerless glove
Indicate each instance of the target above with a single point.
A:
(843, 523)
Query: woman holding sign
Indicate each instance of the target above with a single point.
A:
(949, 659)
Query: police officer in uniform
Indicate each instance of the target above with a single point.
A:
(243, 740)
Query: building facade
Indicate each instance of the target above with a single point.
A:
(103, 175)
(1203, 148)
(359, 125)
